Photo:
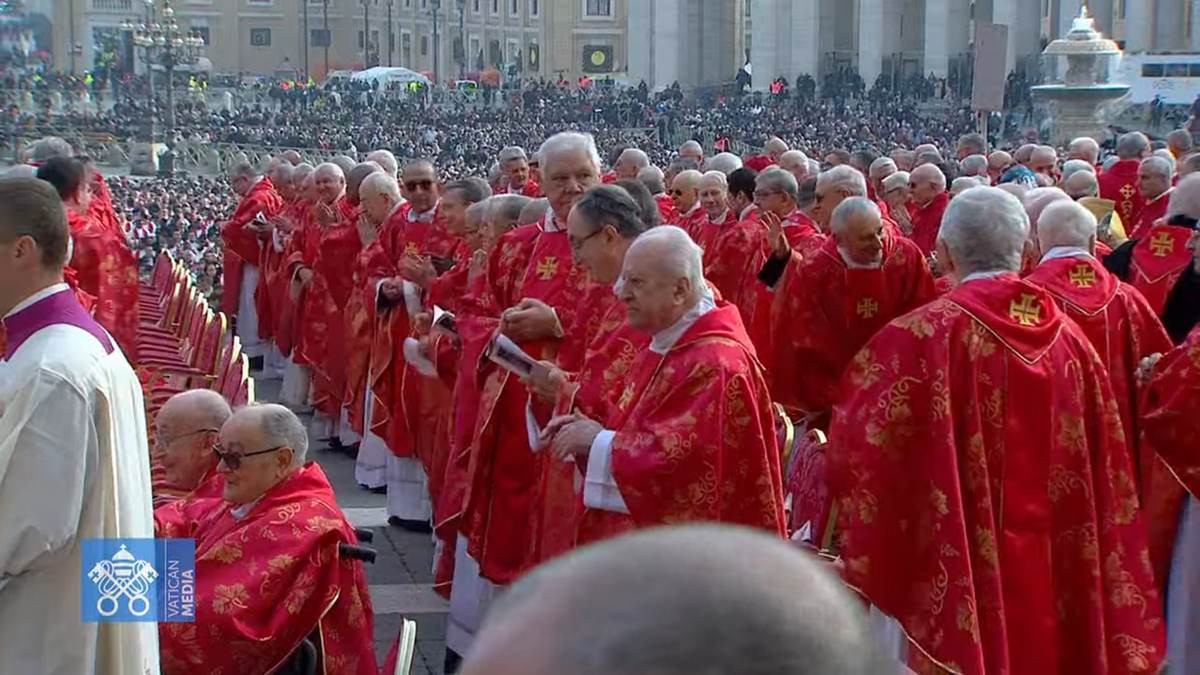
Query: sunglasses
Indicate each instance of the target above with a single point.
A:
(165, 442)
(418, 184)
(233, 460)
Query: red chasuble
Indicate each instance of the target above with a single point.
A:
(1159, 259)
(268, 580)
(1170, 417)
(1120, 184)
(300, 250)
(101, 207)
(360, 323)
(106, 269)
(732, 262)
(825, 312)
(927, 221)
(322, 340)
(707, 231)
(987, 497)
(666, 209)
(1152, 211)
(690, 222)
(528, 262)
(695, 436)
(1123, 328)
(241, 243)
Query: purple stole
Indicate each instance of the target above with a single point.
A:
(59, 308)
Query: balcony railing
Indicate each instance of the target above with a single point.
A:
(112, 5)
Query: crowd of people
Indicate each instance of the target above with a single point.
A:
(964, 380)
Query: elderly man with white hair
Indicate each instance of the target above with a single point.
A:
(270, 558)
(536, 289)
(714, 201)
(1161, 262)
(700, 365)
(773, 151)
(839, 183)
(927, 187)
(974, 166)
(725, 162)
(1119, 182)
(1073, 166)
(386, 161)
(629, 163)
(930, 415)
(964, 183)
(185, 429)
(241, 236)
(514, 174)
(1085, 149)
(796, 163)
(1084, 188)
(685, 193)
(851, 287)
(1154, 182)
(652, 178)
(894, 192)
(691, 150)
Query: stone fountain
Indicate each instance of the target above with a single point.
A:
(1080, 97)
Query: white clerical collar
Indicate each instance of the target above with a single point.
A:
(850, 264)
(720, 221)
(693, 209)
(36, 297)
(240, 511)
(516, 190)
(550, 223)
(980, 276)
(423, 216)
(750, 208)
(665, 339)
(1065, 252)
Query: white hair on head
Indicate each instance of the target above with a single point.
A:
(1185, 198)
(974, 165)
(814, 167)
(1081, 184)
(1037, 199)
(690, 146)
(281, 427)
(385, 159)
(328, 167)
(1159, 165)
(1043, 153)
(778, 180)
(1072, 166)
(510, 153)
(568, 141)
(1017, 190)
(984, 230)
(795, 157)
(725, 162)
(882, 164)
(48, 148)
(845, 178)
(1088, 146)
(896, 180)
(679, 254)
(635, 156)
(377, 183)
(775, 144)
(850, 210)
(1066, 224)
(21, 171)
(931, 173)
(1108, 162)
(1132, 145)
(652, 177)
(964, 183)
(715, 176)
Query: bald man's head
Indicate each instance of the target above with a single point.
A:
(329, 181)
(685, 190)
(184, 432)
(675, 601)
(385, 159)
(1082, 184)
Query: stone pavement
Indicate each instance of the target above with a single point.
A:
(401, 580)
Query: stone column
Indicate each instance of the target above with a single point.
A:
(765, 57)
(870, 40)
(936, 56)
(667, 34)
(1194, 39)
(640, 43)
(805, 40)
(1138, 17)
(1005, 12)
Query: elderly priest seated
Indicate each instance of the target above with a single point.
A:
(268, 568)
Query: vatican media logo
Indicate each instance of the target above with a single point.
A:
(138, 580)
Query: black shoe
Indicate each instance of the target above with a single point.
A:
(256, 363)
(381, 490)
(452, 662)
(421, 526)
(351, 450)
(333, 444)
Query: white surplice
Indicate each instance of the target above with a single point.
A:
(74, 464)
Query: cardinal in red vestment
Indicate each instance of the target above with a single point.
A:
(514, 174)
(271, 257)
(737, 252)
(987, 494)
(1153, 263)
(241, 235)
(929, 201)
(685, 195)
(828, 306)
(287, 238)
(105, 267)
(1154, 183)
(691, 436)
(1119, 182)
(536, 288)
(714, 201)
(270, 568)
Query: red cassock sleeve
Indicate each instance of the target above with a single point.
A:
(1171, 411)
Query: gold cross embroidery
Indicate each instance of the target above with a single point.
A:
(1083, 276)
(1127, 191)
(1162, 244)
(411, 249)
(626, 397)
(867, 308)
(547, 267)
(1027, 312)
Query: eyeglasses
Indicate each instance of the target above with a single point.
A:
(412, 185)
(763, 194)
(233, 460)
(675, 193)
(166, 442)
(577, 244)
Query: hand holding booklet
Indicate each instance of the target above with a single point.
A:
(444, 322)
(505, 353)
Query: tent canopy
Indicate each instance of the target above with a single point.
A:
(385, 75)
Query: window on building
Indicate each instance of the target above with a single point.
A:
(360, 39)
(1119, 8)
(598, 7)
(475, 6)
(260, 2)
(495, 6)
(424, 45)
(260, 37)
(406, 49)
(513, 7)
(424, 4)
(495, 56)
(319, 37)
(407, 4)
(534, 7)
